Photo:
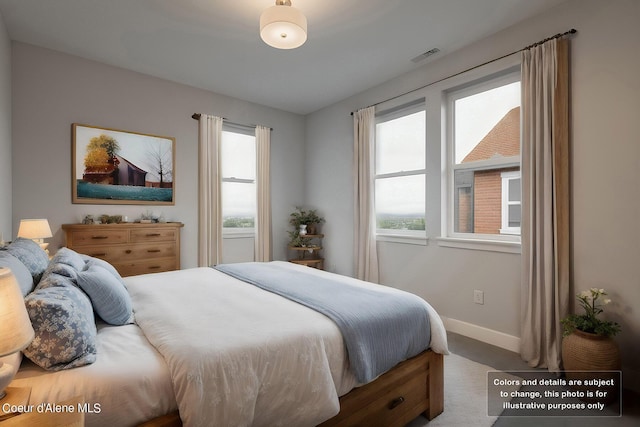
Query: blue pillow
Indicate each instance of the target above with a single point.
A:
(109, 297)
(69, 257)
(21, 273)
(31, 255)
(65, 329)
(104, 264)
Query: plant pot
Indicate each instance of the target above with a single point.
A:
(583, 353)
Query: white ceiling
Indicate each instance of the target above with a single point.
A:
(215, 45)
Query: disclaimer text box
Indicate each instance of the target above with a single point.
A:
(538, 393)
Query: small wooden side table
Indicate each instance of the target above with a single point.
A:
(15, 398)
(65, 414)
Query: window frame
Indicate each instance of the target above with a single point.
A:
(235, 232)
(416, 237)
(506, 178)
(478, 85)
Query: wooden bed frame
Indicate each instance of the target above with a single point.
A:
(414, 387)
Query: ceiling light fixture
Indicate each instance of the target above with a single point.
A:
(283, 26)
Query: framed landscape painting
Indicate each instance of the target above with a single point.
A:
(113, 166)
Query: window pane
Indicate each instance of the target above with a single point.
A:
(485, 160)
(400, 202)
(238, 154)
(514, 190)
(238, 205)
(478, 203)
(400, 144)
(487, 124)
(514, 215)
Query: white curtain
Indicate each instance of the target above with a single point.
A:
(209, 191)
(365, 251)
(263, 190)
(545, 202)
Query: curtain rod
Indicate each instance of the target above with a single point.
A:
(196, 116)
(557, 36)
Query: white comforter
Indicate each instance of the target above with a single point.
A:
(241, 356)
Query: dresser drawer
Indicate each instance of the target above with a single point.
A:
(127, 252)
(145, 266)
(97, 237)
(153, 235)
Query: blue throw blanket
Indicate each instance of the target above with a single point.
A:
(380, 328)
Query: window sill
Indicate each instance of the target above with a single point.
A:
(407, 240)
(480, 245)
(238, 233)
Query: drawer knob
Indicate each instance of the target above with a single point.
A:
(396, 402)
(153, 234)
(99, 237)
(128, 251)
(98, 255)
(153, 250)
(154, 267)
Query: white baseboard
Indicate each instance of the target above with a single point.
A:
(630, 377)
(489, 336)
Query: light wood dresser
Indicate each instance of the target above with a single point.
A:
(132, 248)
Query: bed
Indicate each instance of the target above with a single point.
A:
(255, 347)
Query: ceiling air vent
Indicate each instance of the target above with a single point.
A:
(425, 55)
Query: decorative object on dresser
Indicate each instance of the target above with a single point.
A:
(15, 327)
(112, 166)
(132, 248)
(304, 240)
(36, 230)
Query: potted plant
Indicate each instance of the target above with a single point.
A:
(589, 321)
(588, 343)
(303, 217)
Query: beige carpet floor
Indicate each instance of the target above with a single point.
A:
(465, 395)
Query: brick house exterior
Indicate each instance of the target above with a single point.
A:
(503, 140)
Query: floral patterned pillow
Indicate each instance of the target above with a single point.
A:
(64, 325)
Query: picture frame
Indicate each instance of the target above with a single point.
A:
(112, 166)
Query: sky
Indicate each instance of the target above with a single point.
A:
(476, 115)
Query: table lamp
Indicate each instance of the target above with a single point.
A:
(36, 230)
(16, 331)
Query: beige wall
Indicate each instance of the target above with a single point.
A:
(605, 163)
(52, 90)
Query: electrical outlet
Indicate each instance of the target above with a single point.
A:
(478, 297)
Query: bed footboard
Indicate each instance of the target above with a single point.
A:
(414, 387)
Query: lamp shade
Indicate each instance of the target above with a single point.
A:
(34, 229)
(15, 326)
(282, 26)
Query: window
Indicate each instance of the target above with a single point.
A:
(238, 168)
(484, 160)
(511, 203)
(400, 174)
